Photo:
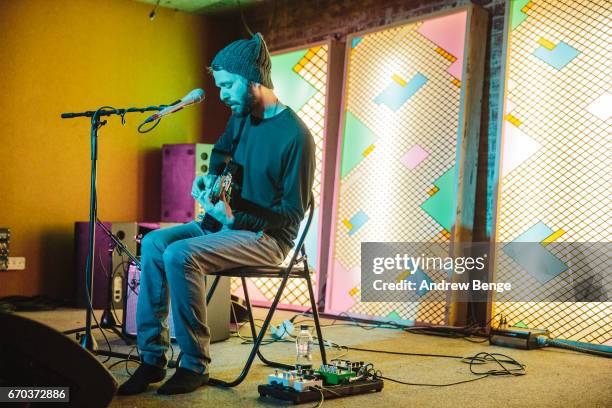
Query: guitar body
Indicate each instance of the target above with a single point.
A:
(227, 184)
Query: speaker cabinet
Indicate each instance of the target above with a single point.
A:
(36, 355)
(181, 163)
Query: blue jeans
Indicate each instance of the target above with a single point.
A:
(174, 263)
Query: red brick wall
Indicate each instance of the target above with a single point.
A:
(287, 23)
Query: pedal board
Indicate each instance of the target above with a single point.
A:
(311, 395)
(341, 378)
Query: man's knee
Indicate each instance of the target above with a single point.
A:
(153, 242)
(177, 256)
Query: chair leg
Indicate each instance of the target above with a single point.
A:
(315, 316)
(249, 310)
(212, 290)
(254, 332)
(258, 340)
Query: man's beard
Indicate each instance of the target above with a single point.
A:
(248, 105)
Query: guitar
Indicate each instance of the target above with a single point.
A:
(227, 184)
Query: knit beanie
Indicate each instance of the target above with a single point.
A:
(248, 58)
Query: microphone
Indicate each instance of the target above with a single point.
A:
(195, 96)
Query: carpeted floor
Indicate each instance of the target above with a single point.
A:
(555, 378)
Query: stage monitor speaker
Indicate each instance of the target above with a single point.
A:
(181, 163)
(35, 355)
(218, 313)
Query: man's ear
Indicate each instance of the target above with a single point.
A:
(256, 88)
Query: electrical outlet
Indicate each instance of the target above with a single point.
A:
(16, 263)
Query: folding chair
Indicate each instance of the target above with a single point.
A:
(279, 272)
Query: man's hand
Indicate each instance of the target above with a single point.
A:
(201, 187)
(221, 211)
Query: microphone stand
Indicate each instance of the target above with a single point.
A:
(87, 341)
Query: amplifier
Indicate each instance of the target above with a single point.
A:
(181, 163)
(107, 261)
(130, 234)
(218, 313)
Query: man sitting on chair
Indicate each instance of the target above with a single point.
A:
(276, 152)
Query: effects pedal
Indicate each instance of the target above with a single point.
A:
(299, 380)
(341, 378)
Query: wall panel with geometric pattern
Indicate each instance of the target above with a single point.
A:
(555, 166)
(300, 81)
(396, 175)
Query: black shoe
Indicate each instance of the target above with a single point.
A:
(144, 375)
(183, 381)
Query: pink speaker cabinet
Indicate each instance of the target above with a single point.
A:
(181, 163)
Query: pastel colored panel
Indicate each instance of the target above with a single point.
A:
(448, 33)
(343, 280)
(357, 221)
(414, 157)
(418, 277)
(536, 233)
(510, 106)
(546, 44)
(559, 56)
(395, 95)
(517, 16)
(357, 138)
(512, 119)
(289, 86)
(536, 260)
(254, 292)
(601, 107)
(553, 237)
(440, 205)
(399, 87)
(368, 150)
(395, 317)
(517, 148)
(558, 86)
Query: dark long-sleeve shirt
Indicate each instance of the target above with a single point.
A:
(278, 159)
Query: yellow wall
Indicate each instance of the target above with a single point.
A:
(73, 55)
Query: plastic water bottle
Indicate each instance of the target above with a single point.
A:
(303, 347)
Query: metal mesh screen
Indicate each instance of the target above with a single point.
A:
(397, 167)
(555, 159)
